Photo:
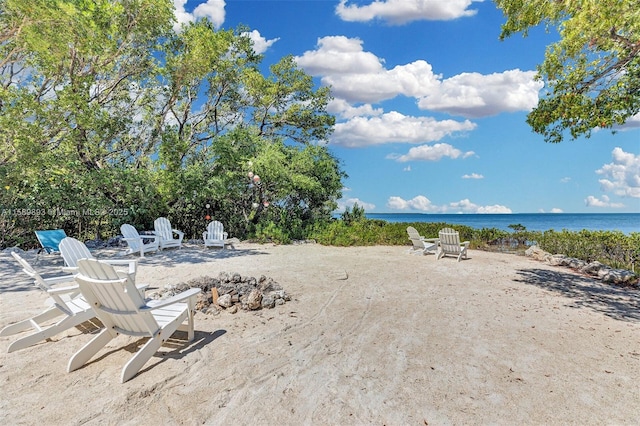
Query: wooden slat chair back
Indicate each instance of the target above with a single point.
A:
(135, 240)
(420, 245)
(73, 250)
(413, 233)
(116, 295)
(214, 236)
(165, 232)
(449, 244)
(124, 311)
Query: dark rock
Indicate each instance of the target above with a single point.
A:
(232, 291)
(268, 301)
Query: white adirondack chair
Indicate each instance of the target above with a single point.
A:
(215, 236)
(449, 244)
(165, 233)
(421, 244)
(136, 242)
(123, 311)
(73, 250)
(65, 302)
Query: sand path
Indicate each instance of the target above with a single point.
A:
(372, 335)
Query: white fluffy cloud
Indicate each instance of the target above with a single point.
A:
(495, 209)
(420, 203)
(476, 95)
(622, 176)
(345, 110)
(462, 206)
(431, 153)
(473, 176)
(553, 210)
(592, 201)
(466, 206)
(394, 127)
(359, 79)
(213, 10)
(349, 202)
(403, 11)
(423, 204)
(339, 55)
(260, 44)
(358, 76)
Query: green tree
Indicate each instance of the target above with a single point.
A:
(73, 82)
(350, 216)
(592, 73)
(223, 119)
(104, 108)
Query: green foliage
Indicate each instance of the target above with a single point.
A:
(491, 236)
(609, 247)
(108, 116)
(270, 232)
(355, 214)
(378, 232)
(592, 73)
(517, 227)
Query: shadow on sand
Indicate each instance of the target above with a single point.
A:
(621, 303)
(177, 345)
(194, 255)
(12, 279)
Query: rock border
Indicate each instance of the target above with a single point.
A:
(230, 292)
(621, 277)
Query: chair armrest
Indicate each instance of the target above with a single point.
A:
(133, 264)
(465, 243)
(155, 304)
(151, 237)
(204, 235)
(120, 261)
(142, 288)
(180, 233)
(63, 290)
(225, 235)
(58, 280)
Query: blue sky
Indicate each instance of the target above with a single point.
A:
(430, 106)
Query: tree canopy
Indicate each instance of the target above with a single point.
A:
(108, 116)
(592, 73)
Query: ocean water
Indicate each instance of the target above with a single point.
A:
(623, 222)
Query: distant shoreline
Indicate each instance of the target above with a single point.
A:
(623, 222)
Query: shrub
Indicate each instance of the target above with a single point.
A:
(611, 248)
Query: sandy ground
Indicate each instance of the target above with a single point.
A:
(372, 335)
